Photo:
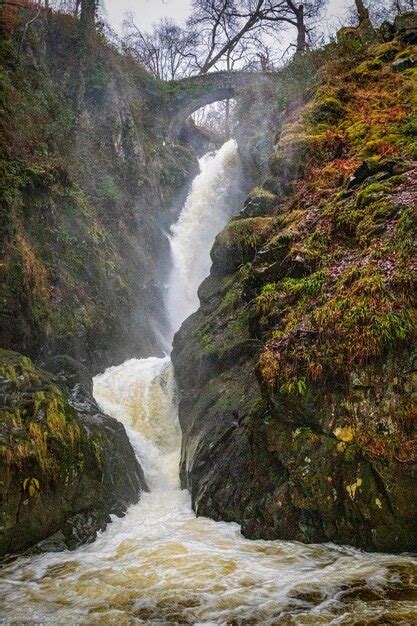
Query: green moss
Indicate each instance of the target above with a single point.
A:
(109, 191)
(231, 300)
(404, 235)
(72, 247)
(309, 285)
(371, 193)
(326, 110)
(357, 323)
(367, 69)
(259, 202)
(17, 373)
(267, 300)
(42, 428)
(387, 52)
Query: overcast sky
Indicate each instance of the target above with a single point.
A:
(148, 11)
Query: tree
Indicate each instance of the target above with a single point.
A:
(226, 23)
(221, 31)
(168, 51)
(87, 9)
(362, 11)
(298, 12)
(402, 6)
(303, 17)
(221, 34)
(380, 10)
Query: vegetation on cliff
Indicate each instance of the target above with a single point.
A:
(307, 322)
(87, 188)
(87, 191)
(297, 375)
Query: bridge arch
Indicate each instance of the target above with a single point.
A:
(190, 94)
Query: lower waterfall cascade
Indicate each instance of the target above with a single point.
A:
(160, 564)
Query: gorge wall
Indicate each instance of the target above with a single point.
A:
(65, 467)
(296, 376)
(88, 189)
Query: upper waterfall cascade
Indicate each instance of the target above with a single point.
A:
(213, 199)
(160, 564)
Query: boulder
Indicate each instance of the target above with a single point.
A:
(404, 63)
(387, 31)
(65, 467)
(239, 241)
(374, 166)
(406, 27)
(259, 202)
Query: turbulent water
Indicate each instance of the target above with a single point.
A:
(214, 198)
(162, 565)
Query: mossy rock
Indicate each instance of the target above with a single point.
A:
(404, 63)
(349, 35)
(325, 110)
(259, 202)
(59, 456)
(239, 241)
(386, 31)
(367, 70)
(327, 300)
(406, 26)
(288, 162)
(387, 51)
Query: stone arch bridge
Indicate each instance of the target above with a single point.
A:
(190, 94)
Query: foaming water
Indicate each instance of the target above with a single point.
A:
(162, 565)
(140, 393)
(214, 197)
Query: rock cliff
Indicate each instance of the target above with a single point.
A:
(89, 189)
(296, 376)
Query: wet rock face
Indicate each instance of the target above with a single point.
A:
(311, 469)
(65, 467)
(84, 249)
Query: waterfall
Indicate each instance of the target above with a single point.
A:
(162, 565)
(141, 392)
(215, 196)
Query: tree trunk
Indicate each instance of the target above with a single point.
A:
(363, 13)
(88, 13)
(301, 31)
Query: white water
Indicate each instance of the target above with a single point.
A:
(215, 196)
(162, 565)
